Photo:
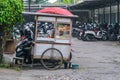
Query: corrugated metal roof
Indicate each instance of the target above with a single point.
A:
(91, 4)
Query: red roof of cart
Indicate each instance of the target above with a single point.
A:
(56, 10)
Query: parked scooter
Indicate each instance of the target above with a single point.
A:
(94, 33)
(85, 33)
(82, 30)
(76, 29)
(16, 33)
(24, 46)
(101, 35)
(118, 37)
(112, 35)
(80, 34)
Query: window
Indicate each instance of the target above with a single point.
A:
(63, 31)
(45, 30)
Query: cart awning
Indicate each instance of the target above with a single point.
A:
(47, 14)
(56, 10)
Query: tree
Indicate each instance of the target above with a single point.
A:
(69, 1)
(65, 1)
(10, 14)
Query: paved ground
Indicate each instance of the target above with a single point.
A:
(97, 60)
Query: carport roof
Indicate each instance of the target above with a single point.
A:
(92, 4)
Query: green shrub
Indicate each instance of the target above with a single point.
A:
(4, 65)
(17, 68)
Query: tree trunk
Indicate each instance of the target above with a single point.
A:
(1, 49)
(2, 43)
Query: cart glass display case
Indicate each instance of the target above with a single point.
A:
(63, 31)
(52, 32)
(53, 29)
(45, 29)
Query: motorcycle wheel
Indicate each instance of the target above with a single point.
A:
(112, 37)
(104, 37)
(18, 61)
(82, 38)
(119, 40)
(79, 37)
(89, 37)
(73, 34)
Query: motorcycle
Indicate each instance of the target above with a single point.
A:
(99, 35)
(16, 33)
(94, 33)
(75, 32)
(22, 50)
(80, 32)
(25, 45)
(87, 35)
(118, 37)
(112, 35)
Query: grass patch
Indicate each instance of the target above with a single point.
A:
(17, 68)
(4, 64)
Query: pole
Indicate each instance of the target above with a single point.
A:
(98, 15)
(29, 2)
(110, 13)
(93, 15)
(104, 14)
(118, 12)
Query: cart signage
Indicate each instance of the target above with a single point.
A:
(50, 19)
(64, 20)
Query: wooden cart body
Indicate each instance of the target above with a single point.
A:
(62, 35)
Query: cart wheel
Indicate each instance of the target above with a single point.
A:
(52, 59)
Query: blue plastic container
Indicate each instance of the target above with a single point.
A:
(75, 66)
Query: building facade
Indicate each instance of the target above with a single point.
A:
(102, 11)
(109, 14)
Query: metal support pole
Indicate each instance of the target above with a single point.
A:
(29, 2)
(118, 12)
(110, 13)
(98, 15)
(104, 14)
(93, 15)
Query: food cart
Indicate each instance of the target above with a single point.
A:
(52, 38)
